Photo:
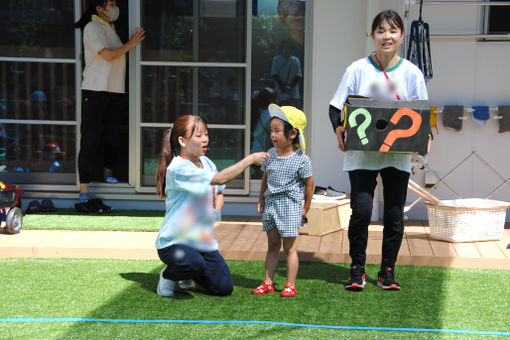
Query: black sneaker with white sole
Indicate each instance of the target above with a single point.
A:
(87, 207)
(356, 278)
(386, 279)
(101, 206)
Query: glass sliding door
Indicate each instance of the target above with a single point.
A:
(193, 61)
(278, 36)
(38, 84)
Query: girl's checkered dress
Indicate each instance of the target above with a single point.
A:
(285, 191)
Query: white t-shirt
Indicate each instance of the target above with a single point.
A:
(364, 77)
(99, 74)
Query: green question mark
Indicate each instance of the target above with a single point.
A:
(363, 126)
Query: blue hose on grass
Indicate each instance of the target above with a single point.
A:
(394, 329)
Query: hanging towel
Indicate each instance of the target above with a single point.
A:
(451, 115)
(504, 122)
(433, 118)
(480, 115)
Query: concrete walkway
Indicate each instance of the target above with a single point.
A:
(79, 244)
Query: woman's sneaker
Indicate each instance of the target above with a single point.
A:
(187, 284)
(386, 279)
(165, 286)
(264, 288)
(356, 278)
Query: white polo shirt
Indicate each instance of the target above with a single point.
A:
(99, 74)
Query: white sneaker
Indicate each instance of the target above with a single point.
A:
(187, 284)
(165, 286)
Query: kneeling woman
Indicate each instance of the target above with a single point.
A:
(185, 176)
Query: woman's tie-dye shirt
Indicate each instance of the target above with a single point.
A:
(189, 215)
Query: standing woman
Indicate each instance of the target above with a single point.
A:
(383, 74)
(103, 95)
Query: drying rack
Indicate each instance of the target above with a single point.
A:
(442, 180)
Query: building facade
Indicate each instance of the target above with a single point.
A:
(219, 59)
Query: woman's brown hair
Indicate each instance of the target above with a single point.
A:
(184, 126)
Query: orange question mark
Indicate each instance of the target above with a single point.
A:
(399, 133)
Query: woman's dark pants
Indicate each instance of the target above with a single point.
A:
(363, 183)
(208, 269)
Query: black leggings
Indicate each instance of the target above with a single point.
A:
(100, 123)
(363, 183)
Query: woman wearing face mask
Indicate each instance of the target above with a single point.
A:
(103, 95)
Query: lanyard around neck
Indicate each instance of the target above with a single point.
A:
(392, 86)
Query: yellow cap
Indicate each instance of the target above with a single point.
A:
(294, 117)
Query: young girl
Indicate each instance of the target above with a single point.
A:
(185, 176)
(287, 172)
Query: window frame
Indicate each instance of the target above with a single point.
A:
(485, 23)
(136, 101)
(41, 187)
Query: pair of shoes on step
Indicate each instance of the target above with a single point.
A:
(34, 206)
(92, 206)
(264, 288)
(385, 279)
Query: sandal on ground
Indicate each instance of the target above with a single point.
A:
(264, 288)
(289, 291)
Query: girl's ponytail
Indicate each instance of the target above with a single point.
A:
(86, 17)
(184, 125)
(166, 157)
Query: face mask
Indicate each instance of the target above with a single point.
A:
(113, 13)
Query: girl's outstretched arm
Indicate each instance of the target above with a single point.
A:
(308, 194)
(228, 174)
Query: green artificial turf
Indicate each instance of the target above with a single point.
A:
(431, 298)
(68, 219)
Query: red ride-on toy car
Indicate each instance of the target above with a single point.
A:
(10, 207)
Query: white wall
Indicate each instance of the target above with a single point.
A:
(466, 72)
(337, 41)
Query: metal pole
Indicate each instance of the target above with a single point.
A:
(472, 3)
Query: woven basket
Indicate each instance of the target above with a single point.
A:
(467, 220)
